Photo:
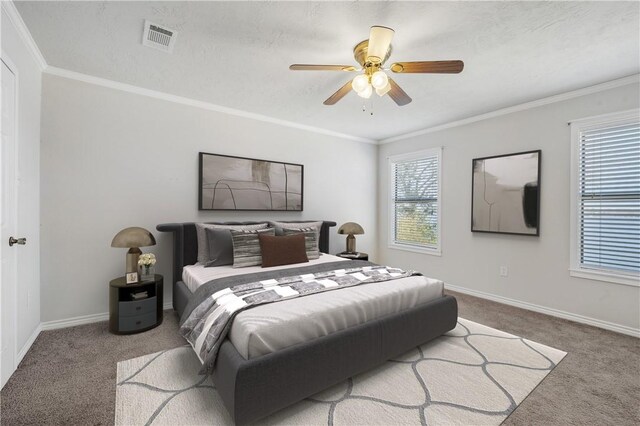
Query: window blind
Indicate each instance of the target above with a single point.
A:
(609, 198)
(415, 201)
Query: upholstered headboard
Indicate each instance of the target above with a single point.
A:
(185, 242)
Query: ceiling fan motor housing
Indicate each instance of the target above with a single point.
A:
(361, 52)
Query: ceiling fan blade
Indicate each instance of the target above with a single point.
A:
(379, 42)
(307, 67)
(398, 95)
(340, 93)
(439, 67)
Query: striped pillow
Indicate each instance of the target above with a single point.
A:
(246, 247)
(310, 240)
(203, 244)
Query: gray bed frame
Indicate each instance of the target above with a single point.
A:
(254, 388)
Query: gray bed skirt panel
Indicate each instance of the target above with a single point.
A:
(254, 388)
(181, 295)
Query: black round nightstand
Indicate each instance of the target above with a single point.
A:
(134, 308)
(354, 256)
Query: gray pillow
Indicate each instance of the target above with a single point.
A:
(220, 247)
(203, 246)
(280, 226)
(246, 247)
(310, 241)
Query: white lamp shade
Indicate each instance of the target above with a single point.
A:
(379, 80)
(360, 83)
(366, 93)
(384, 90)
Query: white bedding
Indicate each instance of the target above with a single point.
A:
(271, 327)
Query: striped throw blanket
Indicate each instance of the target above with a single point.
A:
(209, 322)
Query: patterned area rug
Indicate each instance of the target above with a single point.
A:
(472, 375)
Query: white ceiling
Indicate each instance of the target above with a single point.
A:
(236, 54)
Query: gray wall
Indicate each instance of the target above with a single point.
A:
(112, 159)
(28, 169)
(538, 266)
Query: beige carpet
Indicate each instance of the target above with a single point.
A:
(472, 375)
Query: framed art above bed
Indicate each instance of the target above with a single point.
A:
(238, 183)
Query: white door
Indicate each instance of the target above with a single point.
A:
(8, 218)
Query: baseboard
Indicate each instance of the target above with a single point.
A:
(84, 319)
(623, 329)
(20, 355)
(71, 322)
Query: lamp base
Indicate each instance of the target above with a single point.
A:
(351, 244)
(132, 259)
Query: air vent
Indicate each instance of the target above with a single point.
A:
(161, 38)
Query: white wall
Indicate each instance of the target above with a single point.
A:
(112, 159)
(28, 170)
(538, 266)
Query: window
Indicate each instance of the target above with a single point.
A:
(414, 207)
(605, 235)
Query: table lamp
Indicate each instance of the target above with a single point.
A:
(133, 238)
(351, 228)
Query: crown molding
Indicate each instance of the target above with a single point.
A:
(624, 81)
(60, 72)
(14, 16)
(9, 8)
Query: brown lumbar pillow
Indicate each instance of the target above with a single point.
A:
(284, 250)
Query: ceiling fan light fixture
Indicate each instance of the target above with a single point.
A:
(384, 90)
(371, 55)
(379, 80)
(360, 83)
(366, 93)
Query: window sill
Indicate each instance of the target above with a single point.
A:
(429, 251)
(610, 277)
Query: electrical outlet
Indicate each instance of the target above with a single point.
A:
(504, 271)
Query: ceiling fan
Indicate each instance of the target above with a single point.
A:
(372, 54)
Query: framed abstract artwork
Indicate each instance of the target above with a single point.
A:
(238, 183)
(506, 194)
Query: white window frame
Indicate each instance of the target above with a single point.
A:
(575, 269)
(392, 244)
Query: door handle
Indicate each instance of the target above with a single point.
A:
(19, 241)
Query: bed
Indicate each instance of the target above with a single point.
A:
(272, 359)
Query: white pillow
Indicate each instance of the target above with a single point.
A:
(203, 244)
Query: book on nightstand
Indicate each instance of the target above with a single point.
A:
(139, 295)
(354, 255)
